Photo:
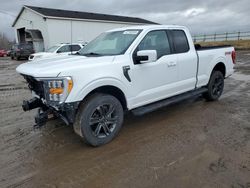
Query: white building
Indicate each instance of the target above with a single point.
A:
(45, 27)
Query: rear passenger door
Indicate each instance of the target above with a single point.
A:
(186, 60)
(156, 80)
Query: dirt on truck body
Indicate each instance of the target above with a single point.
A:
(190, 144)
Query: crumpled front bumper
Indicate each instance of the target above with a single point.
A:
(66, 111)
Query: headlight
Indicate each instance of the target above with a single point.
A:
(57, 89)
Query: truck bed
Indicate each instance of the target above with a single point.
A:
(198, 47)
(211, 55)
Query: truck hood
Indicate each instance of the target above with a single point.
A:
(52, 67)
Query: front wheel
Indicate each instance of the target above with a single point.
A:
(99, 119)
(215, 86)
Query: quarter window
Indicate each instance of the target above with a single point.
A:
(180, 41)
(156, 40)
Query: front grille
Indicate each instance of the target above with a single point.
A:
(34, 85)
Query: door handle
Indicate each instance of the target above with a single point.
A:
(171, 64)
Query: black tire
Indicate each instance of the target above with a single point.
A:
(12, 58)
(106, 113)
(215, 86)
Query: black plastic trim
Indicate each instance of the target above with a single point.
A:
(165, 102)
(125, 72)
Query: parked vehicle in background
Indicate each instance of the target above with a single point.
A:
(3, 53)
(138, 69)
(60, 49)
(22, 50)
(8, 53)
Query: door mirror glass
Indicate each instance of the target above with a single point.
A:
(146, 56)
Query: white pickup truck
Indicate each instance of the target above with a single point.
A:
(59, 49)
(138, 69)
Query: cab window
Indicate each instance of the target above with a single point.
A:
(156, 40)
(63, 49)
(75, 47)
(180, 41)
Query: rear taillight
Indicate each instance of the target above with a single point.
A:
(233, 54)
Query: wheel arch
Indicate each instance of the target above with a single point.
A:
(111, 90)
(108, 86)
(220, 66)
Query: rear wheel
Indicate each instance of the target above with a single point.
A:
(215, 86)
(99, 118)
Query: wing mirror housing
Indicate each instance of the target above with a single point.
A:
(146, 56)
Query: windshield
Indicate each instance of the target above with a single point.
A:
(110, 43)
(53, 49)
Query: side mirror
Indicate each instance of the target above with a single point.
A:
(146, 56)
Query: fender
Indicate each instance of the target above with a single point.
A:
(106, 81)
(213, 63)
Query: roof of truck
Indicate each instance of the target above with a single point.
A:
(152, 26)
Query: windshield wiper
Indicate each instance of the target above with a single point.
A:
(91, 53)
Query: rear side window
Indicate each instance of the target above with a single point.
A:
(180, 41)
(75, 47)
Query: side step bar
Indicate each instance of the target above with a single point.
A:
(155, 106)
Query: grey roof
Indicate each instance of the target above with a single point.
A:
(58, 13)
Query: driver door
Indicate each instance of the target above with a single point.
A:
(154, 81)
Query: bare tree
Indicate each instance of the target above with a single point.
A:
(5, 43)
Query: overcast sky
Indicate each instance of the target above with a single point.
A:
(207, 16)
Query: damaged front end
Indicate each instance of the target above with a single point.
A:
(49, 95)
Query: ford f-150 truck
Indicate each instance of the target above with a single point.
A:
(138, 69)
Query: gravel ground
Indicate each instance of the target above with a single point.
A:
(190, 144)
